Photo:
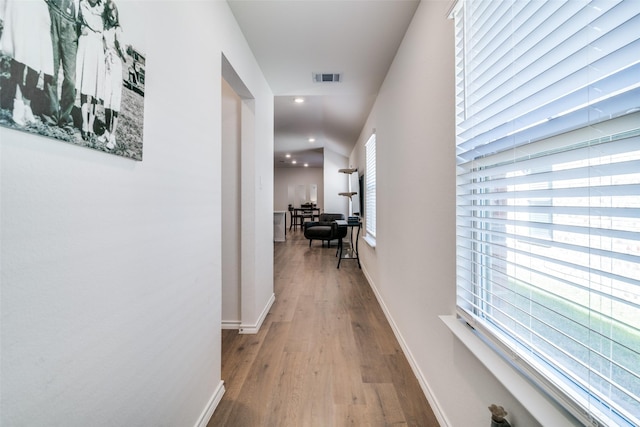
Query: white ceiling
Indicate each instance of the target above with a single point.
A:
(292, 39)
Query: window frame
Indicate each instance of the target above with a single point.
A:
(539, 217)
(370, 190)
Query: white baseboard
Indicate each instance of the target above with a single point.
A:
(211, 406)
(424, 385)
(230, 324)
(254, 329)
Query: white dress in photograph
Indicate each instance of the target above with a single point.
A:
(26, 36)
(90, 65)
(113, 79)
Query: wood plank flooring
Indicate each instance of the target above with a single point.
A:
(325, 355)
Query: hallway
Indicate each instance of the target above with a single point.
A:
(325, 355)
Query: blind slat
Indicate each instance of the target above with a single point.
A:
(516, 135)
(560, 210)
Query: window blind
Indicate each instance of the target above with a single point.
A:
(548, 194)
(370, 186)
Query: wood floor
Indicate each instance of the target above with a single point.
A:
(325, 355)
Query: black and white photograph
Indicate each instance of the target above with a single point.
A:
(70, 70)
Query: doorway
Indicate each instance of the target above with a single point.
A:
(237, 130)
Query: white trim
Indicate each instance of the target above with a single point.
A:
(424, 385)
(215, 399)
(231, 324)
(370, 240)
(254, 329)
(452, 6)
(541, 408)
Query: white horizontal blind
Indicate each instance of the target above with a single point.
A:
(548, 193)
(370, 186)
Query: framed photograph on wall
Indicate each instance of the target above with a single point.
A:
(69, 71)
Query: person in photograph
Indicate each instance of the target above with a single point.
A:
(114, 58)
(64, 39)
(90, 63)
(26, 38)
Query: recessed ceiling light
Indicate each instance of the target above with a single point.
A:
(306, 165)
(312, 140)
(293, 162)
(298, 100)
(287, 155)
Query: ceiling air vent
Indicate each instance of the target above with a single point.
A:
(327, 77)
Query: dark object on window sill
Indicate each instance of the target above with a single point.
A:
(497, 416)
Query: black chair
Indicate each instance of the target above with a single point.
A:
(306, 213)
(296, 218)
(310, 210)
(325, 229)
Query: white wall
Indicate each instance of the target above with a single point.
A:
(412, 267)
(111, 269)
(283, 177)
(335, 182)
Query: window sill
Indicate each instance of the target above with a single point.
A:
(542, 409)
(371, 241)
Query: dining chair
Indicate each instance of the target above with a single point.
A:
(297, 218)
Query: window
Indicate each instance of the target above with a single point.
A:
(548, 194)
(370, 188)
